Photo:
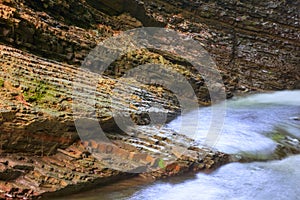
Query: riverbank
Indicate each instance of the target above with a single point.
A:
(43, 43)
(24, 177)
(264, 139)
(278, 180)
(42, 154)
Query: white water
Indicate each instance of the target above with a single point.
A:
(276, 180)
(248, 120)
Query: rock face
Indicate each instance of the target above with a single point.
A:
(255, 45)
(41, 152)
(36, 104)
(255, 41)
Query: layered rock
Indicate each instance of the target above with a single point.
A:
(37, 106)
(254, 43)
(41, 151)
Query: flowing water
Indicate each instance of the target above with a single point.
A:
(247, 122)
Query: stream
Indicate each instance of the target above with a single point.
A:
(247, 124)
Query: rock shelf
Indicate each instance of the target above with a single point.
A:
(44, 91)
(41, 152)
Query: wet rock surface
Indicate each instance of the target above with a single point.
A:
(253, 41)
(255, 45)
(37, 101)
(41, 152)
(287, 143)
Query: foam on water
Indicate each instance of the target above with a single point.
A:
(246, 122)
(291, 98)
(276, 180)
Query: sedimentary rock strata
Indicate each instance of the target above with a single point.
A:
(41, 151)
(44, 91)
(255, 44)
(37, 101)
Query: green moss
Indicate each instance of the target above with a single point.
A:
(277, 137)
(1, 82)
(161, 164)
(36, 94)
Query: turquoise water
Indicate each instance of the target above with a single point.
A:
(247, 121)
